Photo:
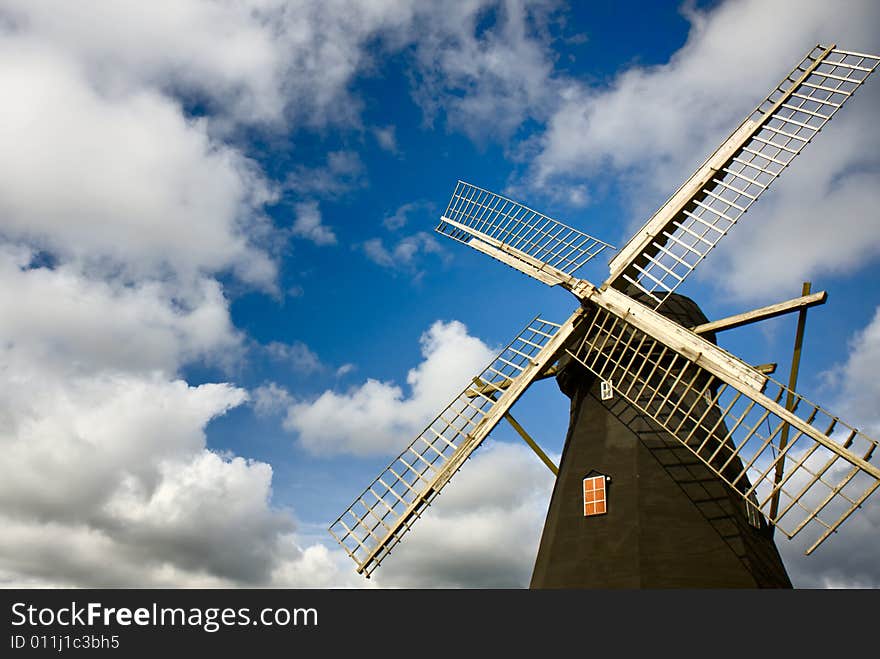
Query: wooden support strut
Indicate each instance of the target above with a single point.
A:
(789, 399)
(532, 444)
(489, 389)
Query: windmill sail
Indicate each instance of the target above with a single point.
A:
(679, 235)
(516, 235)
(735, 430)
(387, 509)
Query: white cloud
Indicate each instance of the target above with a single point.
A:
(405, 254)
(486, 65)
(297, 355)
(345, 369)
(656, 124)
(270, 398)
(308, 225)
(130, 207)
(342, 172)
(386, 137)
(89, 407)
(255, 61)
(484, 528)
(848, 559)
(232, 56)
(378, 417)
(66, 322)
(401, 216)
(315, 566)
(104, 448)
(136, 205)
(376, 251)
(263, 62)
(76, 452)
(172, 198)
(856, 379)
(820, 221)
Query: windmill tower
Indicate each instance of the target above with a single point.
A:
(674, 443)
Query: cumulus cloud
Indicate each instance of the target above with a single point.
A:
(736, 52)
(67, 322)
(845, 560)
(335, 423)
(75, 448)
(315, 566)
(118, 211)
(105, 447)
(172, 198)
(308, 225)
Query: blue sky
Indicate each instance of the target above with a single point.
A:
(217, 228)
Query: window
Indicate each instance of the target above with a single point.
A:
(595, 501)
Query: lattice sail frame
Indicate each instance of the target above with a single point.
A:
(373, 525)
(671, 244)
(525, 239)
(828, 473)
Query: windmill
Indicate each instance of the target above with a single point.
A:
(791, 466)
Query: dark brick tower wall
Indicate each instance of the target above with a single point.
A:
(670, 522)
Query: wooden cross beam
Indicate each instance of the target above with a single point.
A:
(488, 388)
(771, 311)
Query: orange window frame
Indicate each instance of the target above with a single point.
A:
(595, 496)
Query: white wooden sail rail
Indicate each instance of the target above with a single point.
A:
(517, 235)
(665, 251)
(392, 503)
(735, 429)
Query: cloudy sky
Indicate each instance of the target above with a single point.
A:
(225, 308)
